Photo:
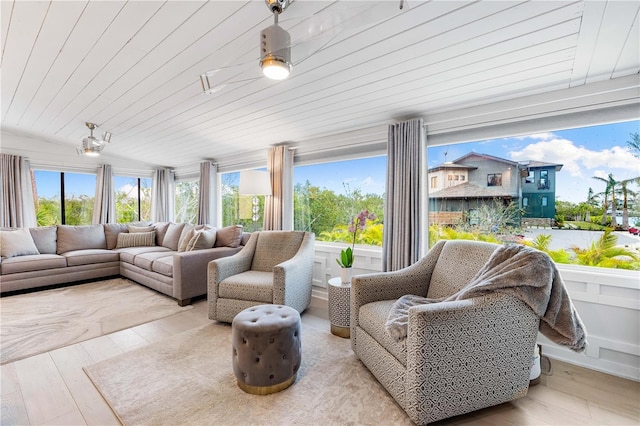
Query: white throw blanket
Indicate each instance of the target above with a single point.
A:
(522, 272)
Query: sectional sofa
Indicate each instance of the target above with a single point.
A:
(171, 258)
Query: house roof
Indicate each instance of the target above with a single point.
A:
(470, 190)
(134, 69)
(456, 164)
(485, 157)
(544, 165)
(451, 166)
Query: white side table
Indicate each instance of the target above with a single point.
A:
(339, 300)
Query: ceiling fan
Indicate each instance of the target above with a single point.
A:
(276, 43)
(91, 146)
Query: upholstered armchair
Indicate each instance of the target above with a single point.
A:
(458, 356)
(273, 267)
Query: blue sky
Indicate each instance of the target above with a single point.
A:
(584, 152)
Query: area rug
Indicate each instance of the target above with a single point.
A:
(188, 379)
(41, 321)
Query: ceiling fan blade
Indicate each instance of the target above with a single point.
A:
(213, 82)
(307, 35)
(311, 34)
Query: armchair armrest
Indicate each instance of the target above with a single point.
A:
(489, 338)
(220, 269)
(293, 278)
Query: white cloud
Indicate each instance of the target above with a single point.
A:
(578, 160)
(130, 190)
(368, 181)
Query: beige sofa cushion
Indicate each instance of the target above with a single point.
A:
(17, 242)
(145, 260)
(28, 263)
(129, 254)
(229, 236)
(163, 265)
(80, 237)
(111, 232)
(90, 257)
(45, 238)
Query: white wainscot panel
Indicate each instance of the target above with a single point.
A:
(608, 301)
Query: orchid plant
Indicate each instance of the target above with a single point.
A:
(358, 223)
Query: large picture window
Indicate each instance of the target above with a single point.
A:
(238, 209)
(328, 196)
(133, 198)
(570, 192)
(64, 198)
(186, 201)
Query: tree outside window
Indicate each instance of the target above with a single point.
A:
(133, 198)
(186, 201)
(64, 198)
(328, 196)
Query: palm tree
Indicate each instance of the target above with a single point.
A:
(608, 190)
(634, 144)
(604, 253)
(626, 192)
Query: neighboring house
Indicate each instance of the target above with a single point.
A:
(462, 186)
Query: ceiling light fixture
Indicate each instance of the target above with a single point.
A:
(91, 146)
(275, 52)
(275, 45)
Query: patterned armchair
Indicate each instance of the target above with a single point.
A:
(458, 356)
(273, 267)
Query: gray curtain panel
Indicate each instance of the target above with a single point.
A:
(280, 167)
(18, 208)
(207, 196)
(104, 207)
(162, 195)
(404, 201)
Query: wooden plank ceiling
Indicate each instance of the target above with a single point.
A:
(133, 67)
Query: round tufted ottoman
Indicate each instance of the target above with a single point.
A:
(266, 348)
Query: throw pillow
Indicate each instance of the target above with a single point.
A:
(185, 239)
(45, 238)
(172, 237)
(17, 243)
(187, 234)
(161, 229)
(111, 232)
(136, 239)
(134, 229)
(203, 239)
(229, 236)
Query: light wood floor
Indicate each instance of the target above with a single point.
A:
(52, 388)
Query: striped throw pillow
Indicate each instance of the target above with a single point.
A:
(136, 239)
